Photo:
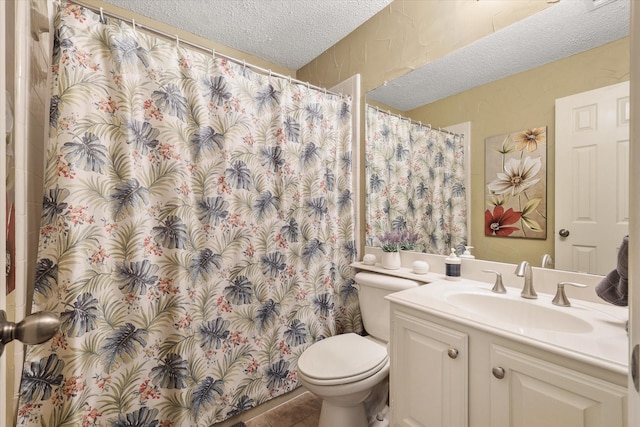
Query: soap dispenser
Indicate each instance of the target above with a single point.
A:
(467, 253)
(452, 266)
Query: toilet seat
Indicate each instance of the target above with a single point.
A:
(342, 359)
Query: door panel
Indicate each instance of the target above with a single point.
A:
(4, 391)
(634, 232)
(429, 373)
(535, 393)
(592, 178)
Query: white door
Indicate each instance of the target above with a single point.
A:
(4, 392)
(634, 234)
(592, 178)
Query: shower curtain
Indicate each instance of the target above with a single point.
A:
(415, 181)
(196, 236)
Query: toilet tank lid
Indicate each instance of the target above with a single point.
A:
(383, 281)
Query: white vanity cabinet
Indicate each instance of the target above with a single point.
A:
(429, 373)
(493, 381)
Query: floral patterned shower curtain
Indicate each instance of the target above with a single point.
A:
(415, 180)
(197, 231)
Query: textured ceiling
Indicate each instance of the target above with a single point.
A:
(559, 31)
(289, 33)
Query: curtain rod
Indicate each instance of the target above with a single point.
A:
(209, 50)
(461, 135)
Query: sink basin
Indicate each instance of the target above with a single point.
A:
(523, 314)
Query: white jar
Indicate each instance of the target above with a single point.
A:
(420, 267)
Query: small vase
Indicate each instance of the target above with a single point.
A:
(391, 260)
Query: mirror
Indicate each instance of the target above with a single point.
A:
(517, 75)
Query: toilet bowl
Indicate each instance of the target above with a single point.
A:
(343, 370)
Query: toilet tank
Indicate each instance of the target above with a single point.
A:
(373, 287)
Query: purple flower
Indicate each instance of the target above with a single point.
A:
(390, 241)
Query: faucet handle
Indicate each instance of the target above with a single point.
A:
(561, 298)
(498, 287)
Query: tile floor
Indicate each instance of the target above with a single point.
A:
(301, 411)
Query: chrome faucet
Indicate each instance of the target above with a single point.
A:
(547, 261)
(524, 270)
(498, 287)
(561, 298)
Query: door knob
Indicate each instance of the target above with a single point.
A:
(564, 233)
(33, 329)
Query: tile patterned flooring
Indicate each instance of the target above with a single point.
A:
(301, 411)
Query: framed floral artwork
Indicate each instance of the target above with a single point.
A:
(516, 184)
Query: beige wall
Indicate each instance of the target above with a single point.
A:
(516, 103)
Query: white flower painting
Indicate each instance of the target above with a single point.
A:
(516, 189)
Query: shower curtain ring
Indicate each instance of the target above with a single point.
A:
(213, 53)
(133, 25)
(244, 65)
(102, 21)
(177, 41)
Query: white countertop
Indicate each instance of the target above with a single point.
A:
(606, 345)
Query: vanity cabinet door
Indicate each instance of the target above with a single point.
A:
(536, 393)
(428, 373)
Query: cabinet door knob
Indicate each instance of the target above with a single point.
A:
(453, 353)
(498, 372)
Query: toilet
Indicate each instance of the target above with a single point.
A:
(343, 369)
